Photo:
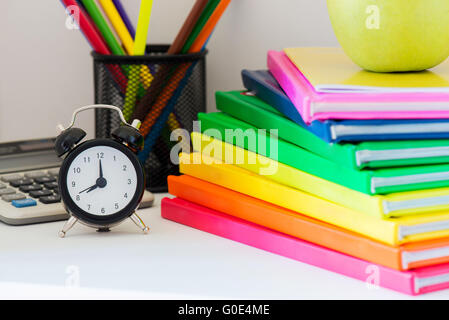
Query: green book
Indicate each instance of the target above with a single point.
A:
(374, 154)
(370, 181)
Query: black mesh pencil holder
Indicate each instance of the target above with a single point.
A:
(165, 92)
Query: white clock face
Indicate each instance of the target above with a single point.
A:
(101, 180)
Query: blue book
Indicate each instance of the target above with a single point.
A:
(265, 87)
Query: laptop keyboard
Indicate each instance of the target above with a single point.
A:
(26, 189)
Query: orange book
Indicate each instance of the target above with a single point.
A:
(404, 257)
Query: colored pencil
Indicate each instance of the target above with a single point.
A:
(128, 42)
(155, 131)
(87, 28)
(101, 24)
(205, 16)
(172, 85)
(118, 25)
(187, 27)
(96, 41)
(209, 27)
(147, 79)
(143, 24)
(158, 126)
(140, 43)
(125, 37)
(125, 18)
(161, 76)
(168, 83)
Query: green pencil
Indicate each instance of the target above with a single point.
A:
(210, 8)
(102, 25)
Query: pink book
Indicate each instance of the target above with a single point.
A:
(339, 101)
(413, 282)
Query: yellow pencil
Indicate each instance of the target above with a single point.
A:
(140, 42)
(118, 25)
(128, 42)
(139, 46)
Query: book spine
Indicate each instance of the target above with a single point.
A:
(299, 95)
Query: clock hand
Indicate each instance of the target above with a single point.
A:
(101, 170)
(100, 183)
(92, 188)
(95, 186)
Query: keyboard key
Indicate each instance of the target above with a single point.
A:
(51, 185)
(53, 172)
(35, 174)
(11, 177)
(11, 197)
(21, 182)
(41, 193)
(7, 191)
(31, 187)
(24, 203)
(50, 199)
(45, 179)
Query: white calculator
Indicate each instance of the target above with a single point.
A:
(29, 190)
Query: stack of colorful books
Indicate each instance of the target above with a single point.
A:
(330, 165)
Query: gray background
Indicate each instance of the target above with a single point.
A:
(46, 69)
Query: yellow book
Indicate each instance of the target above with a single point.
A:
(391, 205)
(392, 231)
(329, 69)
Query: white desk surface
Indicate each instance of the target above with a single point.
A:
(172, 261)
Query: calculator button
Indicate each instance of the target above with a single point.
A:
(51, 185)
(40, 193)
(50, 199)
(24, 203)
(45, 179)
(31, 187)
(21, 182)
(35, 174)
(11, 197)
(7, 191)
(11, 177)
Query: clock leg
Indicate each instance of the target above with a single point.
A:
(68, 225)
(139, 222)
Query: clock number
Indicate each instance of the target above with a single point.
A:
(103, 210)
(129, 181)
(86, 159)
(88, 207)
(126, 195)
(73, 184)
(124, 167)
(116, 206)
(78, 198)
(77, 170)
(115, 158)
(100, 155)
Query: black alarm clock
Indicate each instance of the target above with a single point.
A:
(101, 181)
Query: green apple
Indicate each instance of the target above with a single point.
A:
(392, 35)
